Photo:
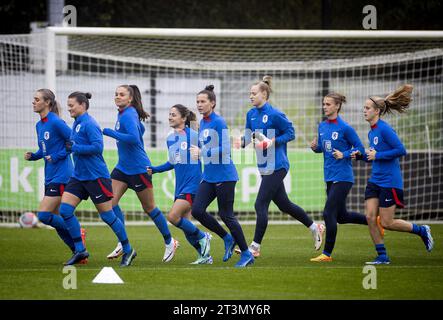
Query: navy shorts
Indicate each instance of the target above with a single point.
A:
(387, 197)
(99, 190)
(54, 189)
(186, 196)
(136, 182)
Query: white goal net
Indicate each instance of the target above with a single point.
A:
(171, 66)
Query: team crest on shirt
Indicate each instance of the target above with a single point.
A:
(46, 135)
(265, 118)
(77, 128)
(334, 135)
(206, 133)
(184, 145)
(375, 140)
(117, 125)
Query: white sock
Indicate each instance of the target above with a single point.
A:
(313, 227)
(255, 245)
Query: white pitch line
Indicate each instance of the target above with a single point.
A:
(138, 269)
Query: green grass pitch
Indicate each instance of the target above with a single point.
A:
(31, 267)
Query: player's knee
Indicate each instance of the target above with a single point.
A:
(371, 219)
(44, 217)
(386, 223)
(329, 214)
(66, 210)
(148, 208)
(227, 216)
(260, 207)
(284, 206)
(197, 212)
(115, 201)
(341, 219)
(173, 218)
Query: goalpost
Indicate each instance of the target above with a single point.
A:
(171, 65)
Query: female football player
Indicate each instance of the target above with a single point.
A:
(90, 179)
(52, 134)
(384, 191)
(219, 178)
(336, 139)
(133, 161)
(270, 131)
(187, 178)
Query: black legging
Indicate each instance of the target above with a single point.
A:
(272, 188)
(225, 194)
(335, 211)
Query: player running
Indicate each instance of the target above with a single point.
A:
(270, 130)
(336, 139)
(90, 179)
(52, 134)
(384, 191)
(187, 178)
(219, 178)
(130, 171)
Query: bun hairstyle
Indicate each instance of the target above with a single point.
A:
(81, 97)
(209, 91)
(49, 96)
(191, 118)
(398, 100)
(338, 98)
(265, 85)
(134, 93)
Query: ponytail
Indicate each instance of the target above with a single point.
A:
(48, 95)
(265, 85)
(398, 100)
(209, 91)
(191, 118)
(134, 93)
(81, 97)
(338, 98)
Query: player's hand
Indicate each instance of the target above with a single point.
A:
(195, 152)
(237, 142)
(371, 154)
(48, 158)
(263, 141)
(28, 156)
(265, 144)
(355, 155)
(149, 170)
(68, 145)
(314, 144)
(337, 154)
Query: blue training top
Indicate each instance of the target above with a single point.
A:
(52, 133)
(188, 172)
(215, 145)
(337, 134)
(132, 158)
(273, 124)
(386, 170)
(87, 149)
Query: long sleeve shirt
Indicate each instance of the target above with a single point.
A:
(188, 172)
(88, 149)
(339, 135)
(52, 134)
(132, 158)
(215, 146)
(273, 124)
